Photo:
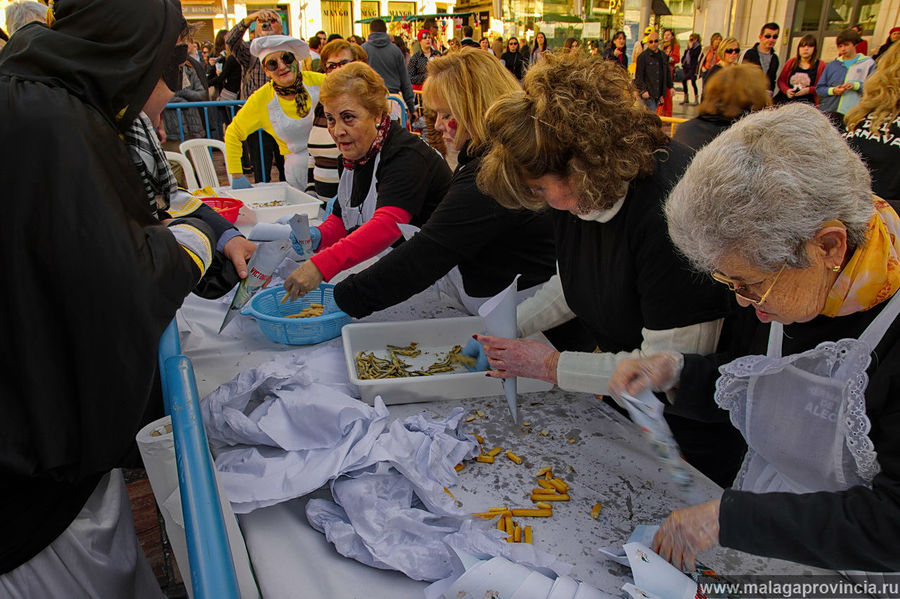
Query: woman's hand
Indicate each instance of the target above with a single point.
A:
(659, 372)
(688, 532)
(519, 357)
(303, 280)
(238, 250)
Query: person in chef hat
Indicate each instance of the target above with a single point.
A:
(283, 107)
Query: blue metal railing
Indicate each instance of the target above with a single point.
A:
(209, 553)
(232, 106)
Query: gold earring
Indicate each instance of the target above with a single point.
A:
(836, 268)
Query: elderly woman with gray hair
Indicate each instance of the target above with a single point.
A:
(781, 210)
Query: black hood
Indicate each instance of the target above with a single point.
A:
(108, 53)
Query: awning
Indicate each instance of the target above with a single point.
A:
(395, 18)
(660, 8)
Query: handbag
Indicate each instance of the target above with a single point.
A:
(678, 74)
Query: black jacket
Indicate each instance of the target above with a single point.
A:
(516, 63)
(93, 278)
(752, 56)
(652, 73)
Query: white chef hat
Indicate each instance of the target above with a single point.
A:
(267, 44)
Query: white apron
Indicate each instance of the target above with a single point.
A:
(804, 416)
(295, 134)
(451, 290)
(357, 216)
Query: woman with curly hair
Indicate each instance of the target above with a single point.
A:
(873, 126)
(617, 270)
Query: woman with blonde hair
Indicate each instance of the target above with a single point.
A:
(390, 177)
(558, 145)
(471, 246)
(873, 126)
(733, 94)
(728, 52)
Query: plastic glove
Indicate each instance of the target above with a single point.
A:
(473, 349)
(520, 357)
(659, 372)
(240, 183)
(688, 532)
(314, 235)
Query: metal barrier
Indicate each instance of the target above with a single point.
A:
(672, 122)
(231, 105)
(209, 553)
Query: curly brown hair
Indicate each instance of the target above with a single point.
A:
(577, 118)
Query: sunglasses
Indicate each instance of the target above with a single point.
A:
(771, 36)
(425, 36)
(330, 66)
(652, 41)
(743, 292)
(271, 64)
(732, 50)
(513, 43)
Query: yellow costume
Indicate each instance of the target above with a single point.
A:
(279, 118)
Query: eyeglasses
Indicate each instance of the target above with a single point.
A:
(330, 66)
(271, 64)
(742, 291)
(732, 50)
(771, 36)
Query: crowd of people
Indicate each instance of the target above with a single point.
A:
(639, 253)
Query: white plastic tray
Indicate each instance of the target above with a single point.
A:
(292, 201)
(435, 337)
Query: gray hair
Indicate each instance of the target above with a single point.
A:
(19, 14)
(765, 187)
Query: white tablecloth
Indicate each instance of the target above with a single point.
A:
(598, 452)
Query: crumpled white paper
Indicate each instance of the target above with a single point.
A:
(276, 434)
(503, 578)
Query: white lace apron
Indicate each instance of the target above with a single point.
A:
(355, 216)
(804, 416)
(295, 134)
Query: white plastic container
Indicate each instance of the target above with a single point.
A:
(435, 338)
(267, 202)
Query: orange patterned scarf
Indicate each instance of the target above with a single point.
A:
(873, 273)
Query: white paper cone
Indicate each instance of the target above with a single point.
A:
(499, 317)
(158, 454)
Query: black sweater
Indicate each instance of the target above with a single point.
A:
(853, 529)
(489, 243)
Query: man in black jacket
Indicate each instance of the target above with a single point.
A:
(762, 53)
(94, 279)
(651, 74)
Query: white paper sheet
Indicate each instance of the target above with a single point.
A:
(499, 317)
(655, 575)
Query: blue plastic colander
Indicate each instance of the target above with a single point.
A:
(270, 313)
